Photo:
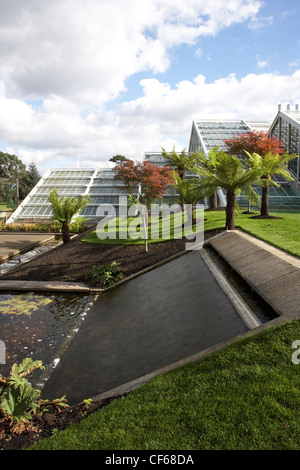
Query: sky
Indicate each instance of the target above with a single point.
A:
(84, 80)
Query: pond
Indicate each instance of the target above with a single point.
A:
(39, 326)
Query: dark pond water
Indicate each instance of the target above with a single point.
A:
(259, 307)
(39, 326)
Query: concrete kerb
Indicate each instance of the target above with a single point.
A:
(241, 307)
(134, 384)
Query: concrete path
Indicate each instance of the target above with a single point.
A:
(159, 318)
(12, 243)
(274, 275)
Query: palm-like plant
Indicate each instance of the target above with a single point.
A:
(227, 172)
(181, 162)
(190, 192)
(269, 165)
(65, 209)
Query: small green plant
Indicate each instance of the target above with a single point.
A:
(87, 402)
(106, 275)
(19, 401)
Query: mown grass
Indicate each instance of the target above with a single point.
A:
(243, 397)
(282, 232)
(122, 231)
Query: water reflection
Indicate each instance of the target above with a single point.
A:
(39, 326)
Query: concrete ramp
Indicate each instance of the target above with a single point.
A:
(161, 317)
(274, 278)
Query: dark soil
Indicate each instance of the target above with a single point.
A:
(73, 262)
(41, 426)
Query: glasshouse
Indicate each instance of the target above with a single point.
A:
(100, 185)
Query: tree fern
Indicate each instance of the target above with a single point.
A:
(64, 209)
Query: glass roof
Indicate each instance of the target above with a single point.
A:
(98, 184)
(213, 133)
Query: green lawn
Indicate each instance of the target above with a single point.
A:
(4, 206)
(117, 231)
(243, 397)
(283, 233)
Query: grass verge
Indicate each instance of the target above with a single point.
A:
(243, 397)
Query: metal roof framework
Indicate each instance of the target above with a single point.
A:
(99, 184)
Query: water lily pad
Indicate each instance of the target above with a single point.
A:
(23, 304)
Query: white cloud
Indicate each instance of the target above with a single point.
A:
(86, 50)
(71, 58)
(260, 23)
(261, 63)
(199, 52)
(59, 134)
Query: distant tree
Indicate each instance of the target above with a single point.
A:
(118, 159)
(11, 166)
(28, 180)
(34, 174)
(65, 209)
(145, 179)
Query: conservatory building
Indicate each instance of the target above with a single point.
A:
(104, 193)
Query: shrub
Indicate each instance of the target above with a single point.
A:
(75, 227)
(19, 401)
(106, 275)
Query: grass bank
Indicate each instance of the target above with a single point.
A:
(243, 397)
(282, 232)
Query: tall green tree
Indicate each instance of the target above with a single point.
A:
(227, 172)
(11, 166)
(28, 180)
(64, 209)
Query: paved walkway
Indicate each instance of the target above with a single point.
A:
(273, 274)
(163, 316)
(12, 243)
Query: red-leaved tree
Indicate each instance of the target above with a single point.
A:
(254, 142)
(146, 180)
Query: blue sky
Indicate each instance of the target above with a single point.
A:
(83, 81)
